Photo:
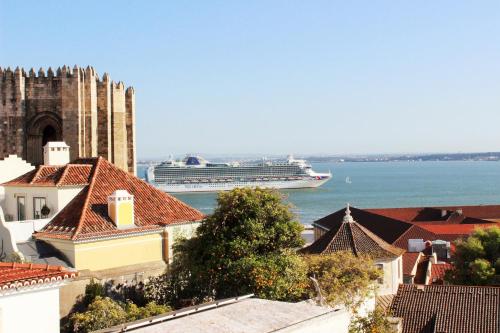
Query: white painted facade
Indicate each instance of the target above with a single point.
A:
(30, 309)
(392, 275)
(12, 233)
(56, 198)
(56, 153)
(10, 168)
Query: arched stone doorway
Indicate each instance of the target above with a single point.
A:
(48, 134)
(42, 128)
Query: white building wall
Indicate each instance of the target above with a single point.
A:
(56, 199)
(22, 231)
(30, 311)
(10, 168)
(392, 276)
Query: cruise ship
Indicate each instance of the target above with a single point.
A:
(195, 174)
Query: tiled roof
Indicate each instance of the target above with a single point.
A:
(383, 302)
(86, 216)
(351, 236)
(447, 308)
(387, 228)
(409, 261)
(416, 214)
(414, 232)
(398, 225)
(456, 229)
(15, 275)
(438, 271)
(402, 214)
(47, 175)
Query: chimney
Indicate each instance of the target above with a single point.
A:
(121, 209)
(56, 153)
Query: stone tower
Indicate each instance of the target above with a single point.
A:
(95, 117)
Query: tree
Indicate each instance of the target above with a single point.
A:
(343, 278)
(374, 322)
(245, 246)
(476, 259)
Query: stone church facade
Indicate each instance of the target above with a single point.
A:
(94, 116)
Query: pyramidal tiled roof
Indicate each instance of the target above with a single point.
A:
(86, 216)
(351, 236)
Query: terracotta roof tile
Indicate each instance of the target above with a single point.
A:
(410, 259)
(414, 232)
(351, 236)
(86, 216)
(456, 229)
(398, 225)
(44, 175)
(447, 308)
(387, 228)
(14, 275)
(410, 213)
(403, 214)
(438, 271)
(383, 302)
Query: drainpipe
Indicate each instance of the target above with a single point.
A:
(165, 246)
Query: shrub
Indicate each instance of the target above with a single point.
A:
(103, 312)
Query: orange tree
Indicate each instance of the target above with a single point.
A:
(246, 246)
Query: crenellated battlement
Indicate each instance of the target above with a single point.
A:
(61, 72)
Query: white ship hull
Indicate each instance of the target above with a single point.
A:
(227, 186)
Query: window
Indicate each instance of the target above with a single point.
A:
(38, 204)
(381, 268)
(21, 208)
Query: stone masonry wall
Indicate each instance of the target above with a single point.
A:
(119, 131)
(94, 117)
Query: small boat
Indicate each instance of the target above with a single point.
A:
(348, 180)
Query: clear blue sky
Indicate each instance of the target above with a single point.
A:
(273, 77)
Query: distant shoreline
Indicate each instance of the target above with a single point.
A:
(486, 156)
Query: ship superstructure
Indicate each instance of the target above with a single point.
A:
(195, 174)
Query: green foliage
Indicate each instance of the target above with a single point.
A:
(245, 246)
(92, 290)
(375, 322)
(343, 278)
(476, 259)
(103, 312)
(278, 276)
(151, 309)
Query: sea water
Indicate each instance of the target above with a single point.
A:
(384, 184)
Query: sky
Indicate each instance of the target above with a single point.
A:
(278, 77)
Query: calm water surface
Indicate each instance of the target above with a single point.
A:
(385, 184)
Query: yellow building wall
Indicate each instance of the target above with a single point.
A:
(125, 214)
(112, 253)
(118, 252)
